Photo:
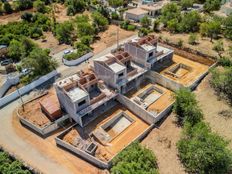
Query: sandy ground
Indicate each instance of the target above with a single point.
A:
(13, 17)
(51, 43)
(109, 37)
(211, 106)
(48, 148)
(162, 141)
(204, 46)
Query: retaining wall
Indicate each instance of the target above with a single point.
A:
(8, 83)
(79, 152)
(78, 60)
(14, 95)
(163, 81)
(140, 112)
(164, 113)
(44, 131)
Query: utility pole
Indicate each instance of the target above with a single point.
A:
(20, 97)
(117, 38)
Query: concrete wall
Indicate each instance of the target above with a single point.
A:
(14, 95)
(140, 112)
(163, 81)
(79, 152)
(78, 60)
(164, 113)
(8, 83)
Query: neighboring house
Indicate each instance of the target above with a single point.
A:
(135, 14)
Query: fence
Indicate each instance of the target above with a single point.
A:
(14, 95)
(78, 60)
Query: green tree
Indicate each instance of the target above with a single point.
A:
(173, 25)
(190, 22)
(99, 21)
(186, 107)
(169, 12)
(84, 29)
(156, 25)
(186, 4)
(16, 50)
(23, 4)
(64, 32)
(202, 151)
(212, 5)
(116, 3)
(75, 6)
(135, 159)
(145, 22)
(7, 7)
(40, 6)
(39, 62)
(211, 29)
(228, 27)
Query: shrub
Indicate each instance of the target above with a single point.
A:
(180, 43)
(135, 159)
(114, 16)
(131, 27)
(225, 61)
(7, 7)
(192, 39)
(64, 32)
(186, 107)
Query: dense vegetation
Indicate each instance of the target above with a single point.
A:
(11, 166)
(200, 150)
(221, 79)
(135, 159)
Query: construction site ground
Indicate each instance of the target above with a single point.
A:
(32, 111)
(106, 152)
(189, 77)
(161, 103)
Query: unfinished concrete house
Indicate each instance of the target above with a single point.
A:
(118, 71)
(124, 95)
(146, 51)
(83, 96)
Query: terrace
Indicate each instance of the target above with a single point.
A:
(151, 97)
(107, 135)
(180, 69)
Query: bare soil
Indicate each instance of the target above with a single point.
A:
(48, 148)
(204, 45)
(109, 38)
(162, 141)
(50, 42)
(212, 105)
(13, 17)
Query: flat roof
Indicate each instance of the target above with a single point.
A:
(77, 94)
(116, 67)
(137, 11)
(147, 47)
(153, 7)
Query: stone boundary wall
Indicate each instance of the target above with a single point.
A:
(25, 89)
(139, 111)
(163, 81)
(78, 60)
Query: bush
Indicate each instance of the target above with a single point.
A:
(192, 39)
(64, 32)
(202, 151)
(114, 16)
(186, 107)
(7, 7)
(225, 61)
(135, 159)
(131, 27)
(180, 43)
(221, 81)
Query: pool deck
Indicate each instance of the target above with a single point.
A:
(106, 152)
(161, 103)
(189, 77)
